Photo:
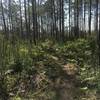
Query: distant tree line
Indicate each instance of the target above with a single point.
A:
(59, 19)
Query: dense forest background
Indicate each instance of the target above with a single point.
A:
(49, 49)
(60, 19)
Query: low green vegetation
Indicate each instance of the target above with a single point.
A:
(36, 72)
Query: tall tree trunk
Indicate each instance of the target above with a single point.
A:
(33, 19)
(90, 17)
(77, 23)
(60, 17)
(84, 16)
(96, 26)
(21, 23)
(62, 8)
(26, 22)
(69, 18)
(4, 22)
(76, 19)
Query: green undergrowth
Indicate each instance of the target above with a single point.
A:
(30, 71)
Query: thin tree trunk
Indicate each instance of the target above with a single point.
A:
(33, 19)
(26, 22)
(4, 22)
(90, 17)
(21, 23)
